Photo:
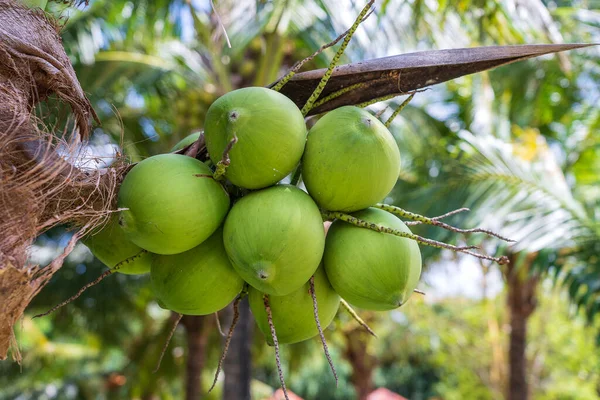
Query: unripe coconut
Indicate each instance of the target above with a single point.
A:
(274, 238)
(186, 141)
(161, 304)
(112, 247)
(172, 203)
(270, 130)
(372, 270)
(293, 314)
(199, 281)
(351, 160)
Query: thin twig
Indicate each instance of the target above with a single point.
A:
(429, 242)
(118, 265)
(301, 63)
(398, 110)
(377, 100)
(218, 322)
(311, 283)
(384, 229)
(164, 349)
(430, 221)
(234, 321)
(220, 23)
(336, 58)
(380, 112)
(419, 292)
(76, 295)
(225, 160)
(386, 97)
(94, 282)
(356, 317)
(448, 214)
(276, 344)
(338, 93)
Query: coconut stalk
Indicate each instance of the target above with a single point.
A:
(40, 190)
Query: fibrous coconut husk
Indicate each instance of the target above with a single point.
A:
(39, 188)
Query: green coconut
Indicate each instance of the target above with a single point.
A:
(293, 314)
(351, 160)
(372, 270)
(275, 239)
(161, 304)
(186, 141)
(111, 246)
(270, 130)
(200, 281)
(171, 203)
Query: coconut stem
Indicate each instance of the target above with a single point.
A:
(299, 64)
(218, 323)
(380, 112)
(315, 95)
(296, 176)
(118, 265)
(93, 283)
(225, 160)
(234, 321)
(448, 214)
(429, 242)
(76, 295)
(356, 317)
(168, 341)
(276, 344)
(313, 294)
(337, 94)
(398, 110)
(386, 97)
(431, 221)
(377, 100)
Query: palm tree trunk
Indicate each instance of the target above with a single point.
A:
(237, 365)
(518, 388)
(363, 363)
(197, 330)
(522, 301)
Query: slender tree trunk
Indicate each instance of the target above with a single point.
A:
(522, 301)
(518, 388)
(197, 330)
(498, 365)
(237, 365)
(363, 363)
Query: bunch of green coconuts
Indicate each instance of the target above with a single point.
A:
(177, 220)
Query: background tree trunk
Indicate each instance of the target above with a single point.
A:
(522, 301)
(237, 365)
(197, 331)
(362, 362)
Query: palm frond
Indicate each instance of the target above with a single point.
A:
(530, 202)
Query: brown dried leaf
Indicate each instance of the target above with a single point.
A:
(407, 72)
(32, 56)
